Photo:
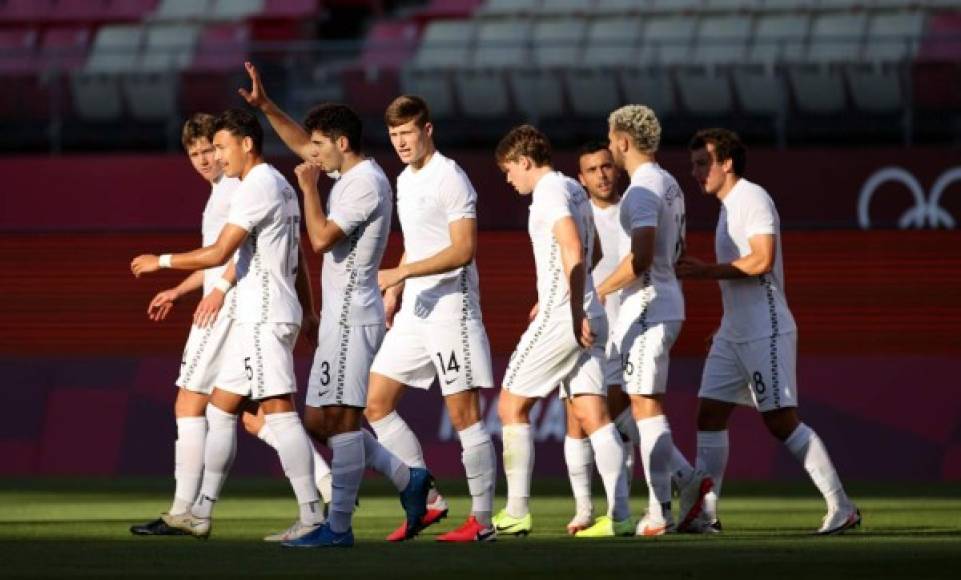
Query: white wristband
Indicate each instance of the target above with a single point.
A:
(164, 261)
(223, 285)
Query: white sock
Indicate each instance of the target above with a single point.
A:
(378, 458)
(480, 465)
(394, 434)
(712, 451)
(609, 455)
(808, 448)
(579, 456)
(348, 471)
(220, 448)
(657, 449)
(518, 467)
(321, 469)
(627, 427)
(188, 461)
(295, 451)
(681, 470)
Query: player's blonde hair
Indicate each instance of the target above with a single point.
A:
(640, 124)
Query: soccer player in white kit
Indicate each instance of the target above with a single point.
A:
(652, 220)
(263, 229)
(753, 355)
(202, 356)
(438, 333)
(352, 234)
(566, 339)
(599, 176)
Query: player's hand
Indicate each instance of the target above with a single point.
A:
(144, 264)
(307, 175)
(310, 328)
(162, 304)
(391, 302)
(690, 267)
(256, 96)
(582, 331)
(390, 278)
(533, 313)
(709, 341)
(602, 298)
(209, 307)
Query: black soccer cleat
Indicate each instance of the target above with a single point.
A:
(157, 527)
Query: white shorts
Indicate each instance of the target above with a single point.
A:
(259, 360)
(762, 373)
(416, 351)
(644, 351)
(204, 355)
(613, 367)
(548, 355)
(342, 363)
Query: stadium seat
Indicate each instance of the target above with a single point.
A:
(221, 47)
(758, 82)
(96, 96)
(666, 41)
(444, 47)
(818, 82)
(151, 96)
(731, 6)
(115, 50)
(182, 10)
(169, 47)
(231, 10)
(538, 90)
(372, 81)
(878, 83)
(501, 45)
(675, 6)
(592, 85)
(789, 6)
(705, 87)
(566, 8)
(64, 48)
(651, 86)
(441, 9)
(26, 11)
(289, 9)
(18, 50)
(129, 10)
(628, 7)
(501, 8)
(432, 86)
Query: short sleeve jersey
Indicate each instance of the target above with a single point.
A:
(360, 203)
(428, 201)
(215, 218)
(265, 205)
(607, 222)
(654, 199)
(555, 197)
(754, 307)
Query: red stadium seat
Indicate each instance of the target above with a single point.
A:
(222, 47)
(64, 48)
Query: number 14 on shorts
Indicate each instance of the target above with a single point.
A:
(450, 366)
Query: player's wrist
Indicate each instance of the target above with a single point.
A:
(224, 285)
(165, 261)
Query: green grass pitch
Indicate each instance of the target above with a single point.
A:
(66, 528)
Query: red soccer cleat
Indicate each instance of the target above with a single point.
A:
(432, 516)
(470, 531)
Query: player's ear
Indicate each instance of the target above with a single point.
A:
(247, 144)
(728, 165)
(429, 129)
(343, 144)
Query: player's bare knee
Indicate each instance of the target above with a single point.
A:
(646, 406)
(781, 422)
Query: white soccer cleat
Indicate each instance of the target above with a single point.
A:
(839, 520)
(196, 527)
(691, 494)
(296, 531)
(651, 525)
(582, 520)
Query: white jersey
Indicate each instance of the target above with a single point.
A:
(608, 224)
(428, 200)
(654, 199)
(215, 218)
(265, 205)
(754, 307)
(360, 203)
(557, 196)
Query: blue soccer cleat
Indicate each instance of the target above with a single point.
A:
(414, 500)
(323, 537)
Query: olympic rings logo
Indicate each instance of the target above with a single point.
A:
(925, 213)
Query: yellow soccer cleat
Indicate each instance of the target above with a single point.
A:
(605, 527)
(508, 525)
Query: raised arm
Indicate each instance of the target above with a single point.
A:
(460, 252)
(289, 131)
(323, 233)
